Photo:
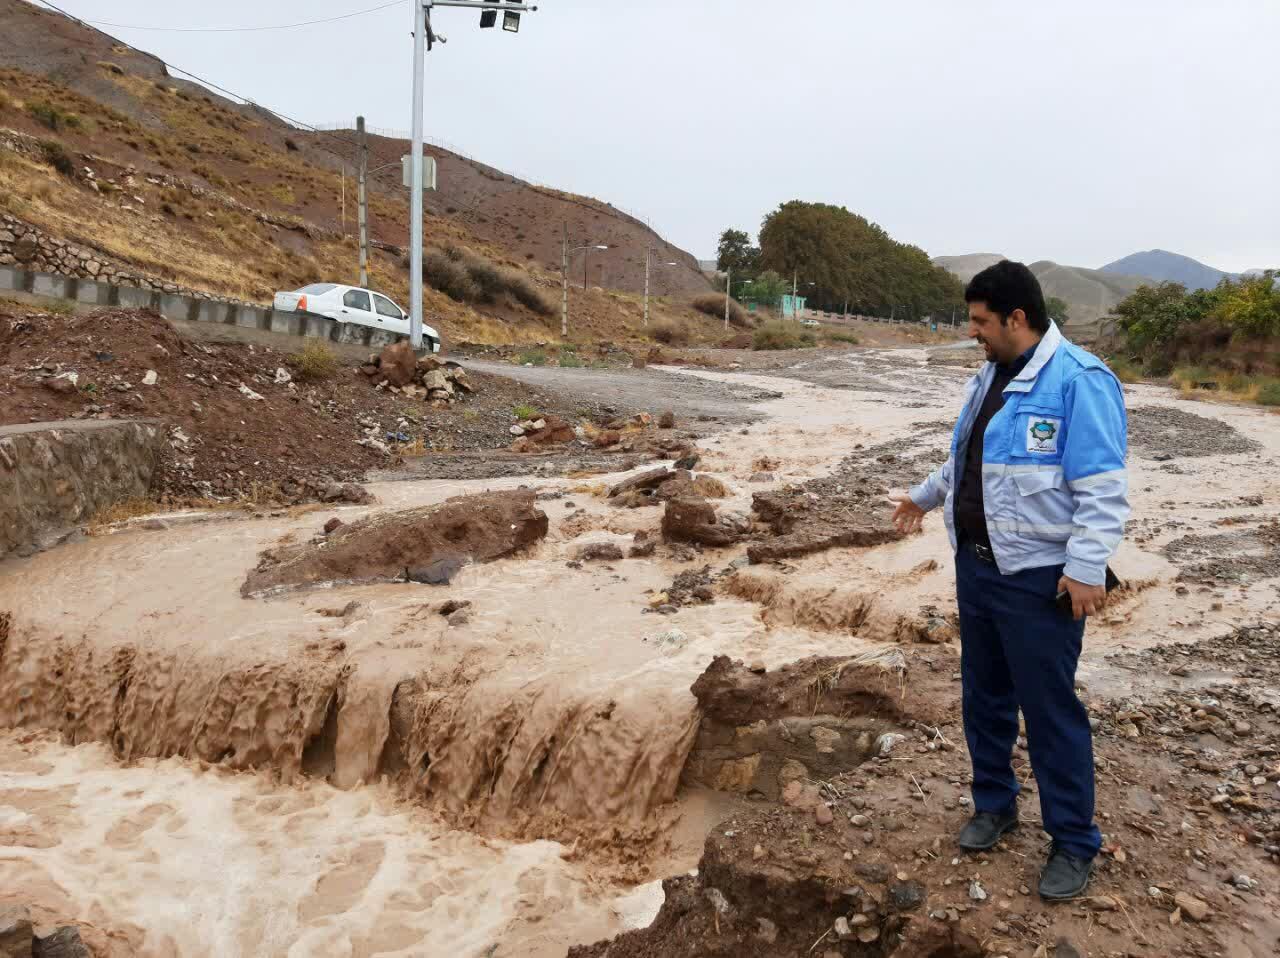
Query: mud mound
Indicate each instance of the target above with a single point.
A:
(422, 545)
(279, 438)
(1163, 432)
(772, 734)
(846, 508)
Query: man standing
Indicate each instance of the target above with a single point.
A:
(1035, 497)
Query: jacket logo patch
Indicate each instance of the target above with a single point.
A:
(1042, 435)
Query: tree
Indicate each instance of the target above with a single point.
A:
(737, 255)
(849, 259)
(1251, 306)
(767, 289)
(1057, 310)
(1153, 315)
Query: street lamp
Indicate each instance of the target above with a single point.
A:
(648, 257)
(795, 294)
(423, 39)
(565, 253)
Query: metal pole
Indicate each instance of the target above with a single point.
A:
(415, 165)
(344, 199)
(648, 255)
(364, 203)
(586, 258)
(564, 285)
(795, 295)
(728, 287)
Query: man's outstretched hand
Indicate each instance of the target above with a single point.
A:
(907, 517)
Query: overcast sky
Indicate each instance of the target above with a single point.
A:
(1072, 130)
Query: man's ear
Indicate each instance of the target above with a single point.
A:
(1020, 317)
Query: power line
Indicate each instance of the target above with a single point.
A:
(282, 26)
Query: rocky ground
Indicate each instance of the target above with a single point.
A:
(863, 862)
(248, 422)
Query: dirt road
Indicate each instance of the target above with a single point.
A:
(567, 769)
(690, 399)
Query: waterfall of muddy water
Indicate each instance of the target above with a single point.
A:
(562, 705)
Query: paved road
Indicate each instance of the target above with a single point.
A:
(689, 397)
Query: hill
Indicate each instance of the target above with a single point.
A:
(1090, 294)
(100, 145)
(1162, 266)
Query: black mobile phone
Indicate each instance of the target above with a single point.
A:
(1064, 598)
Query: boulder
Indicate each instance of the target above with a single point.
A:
(460, 380)
(606, 438)
(429, 364)
(397, 364)
(667, 420)
(436, 379)
(694, 520)
(65, 942)
(643, 482)
(600, 552)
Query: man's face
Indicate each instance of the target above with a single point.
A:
(996, 337)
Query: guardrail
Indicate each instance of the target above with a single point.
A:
(193, 309)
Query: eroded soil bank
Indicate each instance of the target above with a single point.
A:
(556, 718)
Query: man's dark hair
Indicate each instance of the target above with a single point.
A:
(1008, 286)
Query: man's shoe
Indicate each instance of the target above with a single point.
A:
(1064, 876)
(985, 829)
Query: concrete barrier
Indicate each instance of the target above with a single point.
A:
(194, 312)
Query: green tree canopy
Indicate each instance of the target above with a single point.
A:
(767, 289)
(849, 259)
(1058, 310)
(737, 255)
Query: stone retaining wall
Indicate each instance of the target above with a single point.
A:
(56, 475)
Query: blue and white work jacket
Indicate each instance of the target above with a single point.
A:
(1054, 485)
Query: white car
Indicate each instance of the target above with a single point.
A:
(351, 304)
(811, 323)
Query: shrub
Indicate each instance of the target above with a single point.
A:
(525, 413)
(314, 362)
(289, 145)
(569, 358)
(57, 157)
(532, 357)
(713, 305)
(779, 335)
(1126, 371)
(51, 116)
(842, 337)
(467, 278)
(448, 277)
(1269, 394)
(5, 102)
(668, 332)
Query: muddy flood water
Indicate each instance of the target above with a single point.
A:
(345, 771)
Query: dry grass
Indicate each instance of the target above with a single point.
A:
(314, 362)
(713, 305)
(780, 335)
(102, 521)
(669, 332)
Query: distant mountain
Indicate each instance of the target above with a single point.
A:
(1089, 294)
(1163, 266)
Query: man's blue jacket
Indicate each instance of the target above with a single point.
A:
(1054, 485)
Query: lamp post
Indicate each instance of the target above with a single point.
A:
(565, 253)
(423, 39)
(648, 258)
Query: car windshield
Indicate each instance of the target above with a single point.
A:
(317, 289)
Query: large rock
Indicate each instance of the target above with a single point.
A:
(394, 546)
(695, 520)
(644, 482)
(397, 363)
(65, 942)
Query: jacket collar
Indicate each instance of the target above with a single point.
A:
(1025, 380)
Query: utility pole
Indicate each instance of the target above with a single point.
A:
(564, 284)
(420, 27)
(728, 291)
(795, 295)
(344, 199)
(364, 203)
(648, 255)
